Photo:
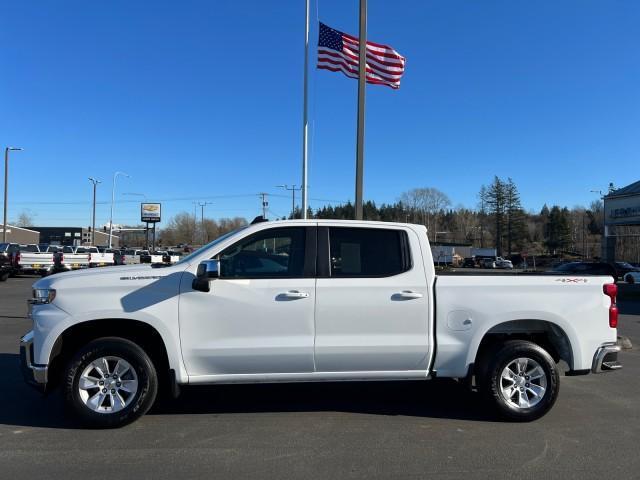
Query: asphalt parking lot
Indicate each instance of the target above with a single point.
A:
(362, 430)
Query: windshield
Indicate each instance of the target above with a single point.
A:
(192, 255)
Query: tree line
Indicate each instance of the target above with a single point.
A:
(497, 221)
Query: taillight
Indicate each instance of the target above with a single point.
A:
(611, 291)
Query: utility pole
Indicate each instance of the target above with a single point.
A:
(204, 233)
(362, 83)
(93, 216)
(293, 190)
(195, 223)
(265, 204)
(6, 188)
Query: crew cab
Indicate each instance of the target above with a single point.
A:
(312, 300)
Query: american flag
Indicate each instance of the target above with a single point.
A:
(338, 52)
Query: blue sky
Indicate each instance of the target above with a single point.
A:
(202, 100)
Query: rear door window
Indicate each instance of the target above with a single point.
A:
(368, 252)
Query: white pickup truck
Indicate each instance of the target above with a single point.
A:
(75, 258)
(29, 259)
(312, 300)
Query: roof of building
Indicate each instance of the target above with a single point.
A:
(19, 228)
(633, 189)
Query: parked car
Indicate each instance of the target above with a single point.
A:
(319, 300)
(622, 268)
(585, 268)
(469, 262)
(503, 263)
(487, 262)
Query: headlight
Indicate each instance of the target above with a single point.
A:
(42, 296)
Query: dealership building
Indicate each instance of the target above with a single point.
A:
(621, 208)
(74, 236)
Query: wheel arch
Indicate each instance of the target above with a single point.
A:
(77, 335)
(547, 334)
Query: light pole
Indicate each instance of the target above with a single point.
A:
(6, 186)
(93, 216)
(293, 190)
(113, 198)
(204, 233)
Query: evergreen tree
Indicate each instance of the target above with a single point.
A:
(496, 208)
(557, 229)
(515, 215)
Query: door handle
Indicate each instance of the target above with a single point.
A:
(294, 294)
(408, 294)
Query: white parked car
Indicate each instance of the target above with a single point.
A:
(312, 300)
(503, 263)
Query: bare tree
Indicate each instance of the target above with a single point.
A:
(25, 219)
(427, 202)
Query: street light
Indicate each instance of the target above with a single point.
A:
(292, 189)
(93, 217)
(113, 198)
(6, 185)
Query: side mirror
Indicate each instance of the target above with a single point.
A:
(208, 270)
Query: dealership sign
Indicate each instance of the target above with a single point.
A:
(150, 212)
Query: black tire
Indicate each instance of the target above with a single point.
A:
(630, 279)
(4, 276)
(140, 362)
(506, 354)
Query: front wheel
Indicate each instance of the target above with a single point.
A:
(522, 381)
(630, 279)
(111, 382)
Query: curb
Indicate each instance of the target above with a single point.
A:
(624, 343)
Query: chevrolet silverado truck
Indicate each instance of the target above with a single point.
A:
(308, 301)
(29, 259)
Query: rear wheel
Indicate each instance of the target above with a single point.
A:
(4, 276)
(110, 382)
(630, 279)
(522, 381)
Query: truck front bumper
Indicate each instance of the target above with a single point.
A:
(35, 375)
(606, 358)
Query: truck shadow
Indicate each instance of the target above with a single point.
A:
(22, 406)
(442, 398)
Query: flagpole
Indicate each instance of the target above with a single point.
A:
(362, 79)
(305, 121)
